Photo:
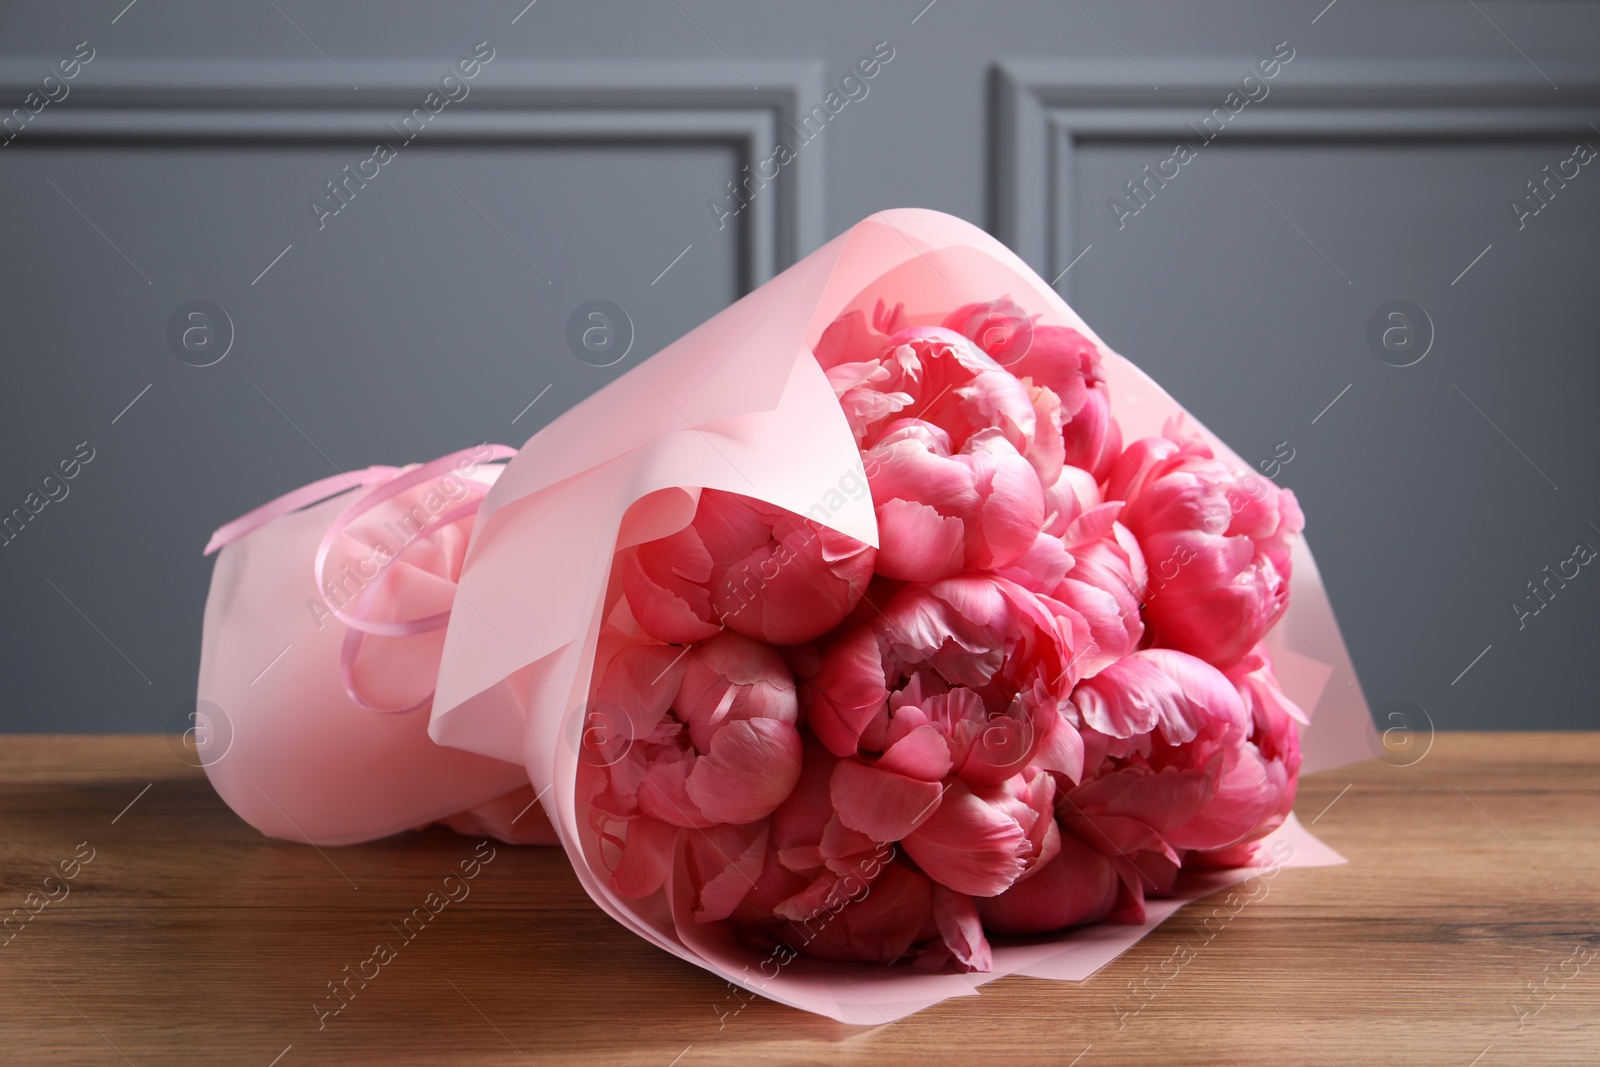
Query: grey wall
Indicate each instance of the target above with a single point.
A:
(432, 309)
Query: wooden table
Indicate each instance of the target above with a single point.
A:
(1463, 931)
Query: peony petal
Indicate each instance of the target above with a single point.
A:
(730, 526)
(735, 855)
(1093, 524)
(1117, 835)
(1124, 700)
(954, 625)
(1060, 358)
(1131, 810)
(844, 849)
(797, 586)
(1245, 798)
(999, 748)
(1091, 438)
(962, 930)
(995, 398)
(883, 805)
(869, 925)
(800, 819)
(923, 754)
(1042, 566)
(1079, 886)
(751, 769)
(640, 681)
(848, 691)
(1210, 697)
(646, 857)
(773, 885)
(731, 677)
(810, 903)
(1160, 687)
(847, 376)
(916, 543)
(1046, 452)
(663, 795)
(1062, 747)
(1013, 502)
(1072, 494)
(668, 613)
(1113, 624)
(968, 844)
(848, 337)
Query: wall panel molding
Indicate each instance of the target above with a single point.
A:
(1043, 110)
(510, 103)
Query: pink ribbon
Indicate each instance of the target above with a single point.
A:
(392, 481)
(302, 497)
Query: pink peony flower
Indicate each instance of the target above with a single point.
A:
(947, 708)
(940, 514)
(1056, 361)
(1216, 541)
(711, 739)
(981, 841)
(759, 570)
(1079, 885)
(1104, 586)
(932, 374)
(803, 880)
(1275, 734)
(1105, 580)
(1171, 764)
(964, 676)
(878, 926)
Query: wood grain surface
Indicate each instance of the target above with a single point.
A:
(1465, 930)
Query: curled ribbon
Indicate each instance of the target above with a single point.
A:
(391, 482)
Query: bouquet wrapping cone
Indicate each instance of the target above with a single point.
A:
(740, 404)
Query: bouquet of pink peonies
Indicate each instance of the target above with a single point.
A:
(997, 722)
(888, 618)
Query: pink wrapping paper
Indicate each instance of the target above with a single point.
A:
(280, 746)
(739, 404)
